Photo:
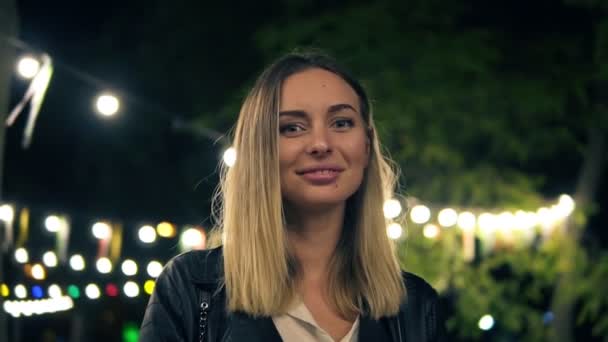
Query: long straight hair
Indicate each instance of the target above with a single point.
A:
(259, 270)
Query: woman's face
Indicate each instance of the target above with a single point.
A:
(323, 144)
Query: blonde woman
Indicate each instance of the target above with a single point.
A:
(304, 254)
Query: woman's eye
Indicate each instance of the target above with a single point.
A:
(344, 123)
(290, 128)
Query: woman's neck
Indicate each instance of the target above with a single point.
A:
(313, 238)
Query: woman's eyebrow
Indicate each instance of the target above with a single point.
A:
(295, 113)
(341, 106)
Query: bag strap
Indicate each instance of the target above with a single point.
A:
(204, 308)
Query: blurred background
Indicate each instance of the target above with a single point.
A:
(114, 115)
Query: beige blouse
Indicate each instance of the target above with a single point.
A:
(299, 325)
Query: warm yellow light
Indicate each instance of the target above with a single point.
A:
(38, 272)
(466, 220)
(566, 205)
(54, 291)
(505, 221)
(149, 286)
(77, 262)
(165, 229)
(107, 104)
(4, 290)
(28, 67)
(420, 214)
(92, 291)
(104, 265)
(129, 267)
(192, 238)
(20, 291)
(487, 223)
(154, 269)
(21, 255)
(430, 231)
(391, 208)
(394, 231)
(131, 289)
(447, 217)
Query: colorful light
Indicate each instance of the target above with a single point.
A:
(111, 290)
(37, 292)
(165, 229)
(38, 272)
(4, 290)
(74, 291)
(149, 286)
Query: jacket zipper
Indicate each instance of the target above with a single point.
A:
(204, 311)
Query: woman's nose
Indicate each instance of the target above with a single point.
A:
(319, 143)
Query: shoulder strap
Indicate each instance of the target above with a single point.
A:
(203, 325)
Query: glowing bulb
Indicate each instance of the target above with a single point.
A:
(21, 255)
(147, 234)
(229, 156)
(7, 213)
(466, 220)
(77, 262)
(154, 269)
(50, 259)
(52, 224)
(4, 290)
(487, 223)
(129, 267)
(505, 220)
(38, 272)
(391, 208)
(28, 67)
(20, 291)
(92, 291)
(149, 286)
(420, 214)
(104, 265)
(566, 205)
(165, 229)
(102, 230)
(192, 238)
(430, 231)
(107, 104)
(447, 217)
(486, 322)
(394, 231)
(54, 291)
(131, 289)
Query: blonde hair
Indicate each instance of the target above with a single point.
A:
(259, 271)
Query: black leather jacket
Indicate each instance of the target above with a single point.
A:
(173, 312)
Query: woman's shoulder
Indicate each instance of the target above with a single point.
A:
(416, 285)
(196, 266)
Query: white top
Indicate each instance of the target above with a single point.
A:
(299, 325)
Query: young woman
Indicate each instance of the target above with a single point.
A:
(304, 252)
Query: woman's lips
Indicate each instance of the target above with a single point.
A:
(321, 177)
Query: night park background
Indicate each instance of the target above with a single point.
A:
(495, 109)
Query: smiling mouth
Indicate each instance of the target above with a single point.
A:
(321, 177)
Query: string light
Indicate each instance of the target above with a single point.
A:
(165, 229)
(28, 67)
(92, 291)
(38, 307)
(154, 269)
(420, 214)
(21, 255)
(50, 259)
(4, 290)
(466, 220)
(104, 265)
(486, 322)
(107, 104)
(229, 156)
(101, 230)
(447, 217)
(147, 234)
(129, 267)
(394, 231)
(77, 262)
(38, 272)
(7, 213)
(20, 291)
(391, 208)
(192, 238)
(52, 224)
(54, 291)
(131, 289)
(149, 286)
(430, 231)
